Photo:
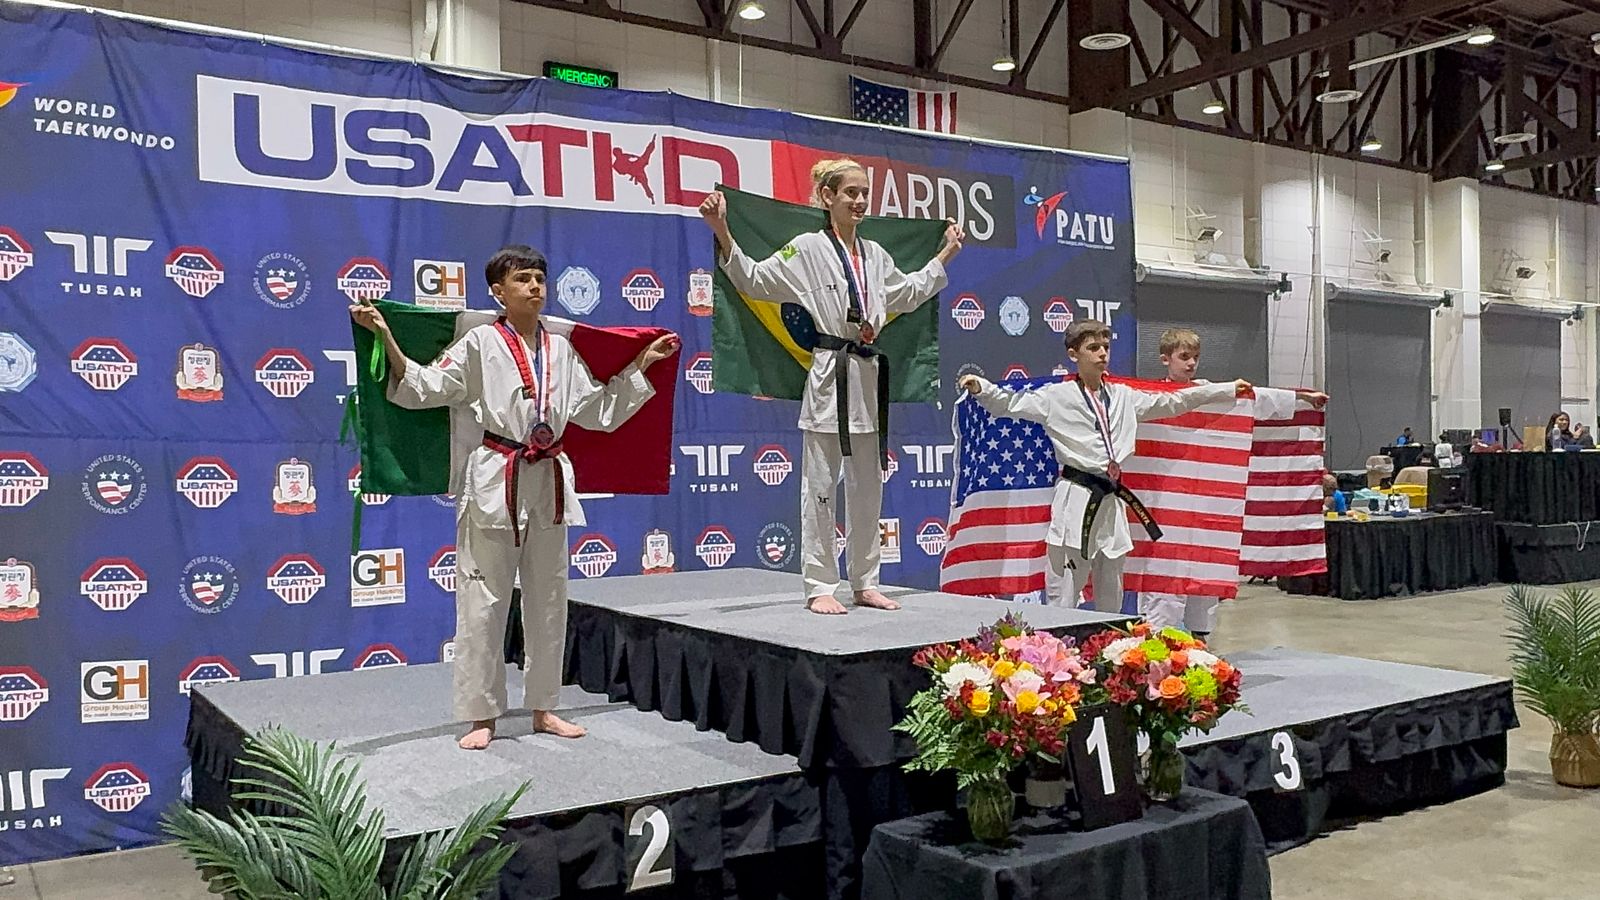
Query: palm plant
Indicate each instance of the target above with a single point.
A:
(317, 839)
(1555, 662)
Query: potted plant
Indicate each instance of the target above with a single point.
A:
(1169, 684)
(320, 841)
(994, 699)
(1555, 662)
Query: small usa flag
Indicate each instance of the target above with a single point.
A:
(884, 104)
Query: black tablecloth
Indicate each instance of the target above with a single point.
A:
(1385, 556)
(1405, 455)
(1203, 846)
(1549, 554)
(1535, 488)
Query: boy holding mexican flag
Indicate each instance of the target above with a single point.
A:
(522, 380)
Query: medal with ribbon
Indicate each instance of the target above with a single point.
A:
(1100, 404)
(535, 374)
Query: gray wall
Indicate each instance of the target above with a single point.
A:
(1232, 324)
(1521, 367)
(1379, 377)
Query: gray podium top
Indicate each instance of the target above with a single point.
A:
(767, 606)
(395, 721)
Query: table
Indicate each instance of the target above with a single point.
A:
(1386, 556)
(1536, 488)
(1202, 846)
(1404, 455)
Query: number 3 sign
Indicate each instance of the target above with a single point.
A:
(1100, 752)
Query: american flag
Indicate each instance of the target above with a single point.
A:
(1005, 479)
(1283, 524)
(1197, 473)
(885, 104)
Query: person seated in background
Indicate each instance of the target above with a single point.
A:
(1404, 438)
(1332, 498)
(1558, 434)
(1583, 436)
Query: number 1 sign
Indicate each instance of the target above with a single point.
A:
(1100, 753)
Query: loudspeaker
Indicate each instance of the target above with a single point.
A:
(1505, 416)
(1447, 489)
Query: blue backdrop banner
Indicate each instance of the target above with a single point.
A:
(185, 220)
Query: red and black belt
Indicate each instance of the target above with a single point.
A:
(516, 453)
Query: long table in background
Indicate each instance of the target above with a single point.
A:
(1535, 488)
(1387, 556)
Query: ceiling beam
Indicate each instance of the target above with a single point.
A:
(1360, 22)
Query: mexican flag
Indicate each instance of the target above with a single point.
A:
(752, 350)
(412, 452)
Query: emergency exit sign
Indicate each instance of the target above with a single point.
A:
(584, 75)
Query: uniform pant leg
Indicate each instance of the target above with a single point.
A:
(863, 502)
(544, 566)
(1200, 614)
(486, 563)
(1162, 610)
(1071, 574)
(1107, 574)
(819, 484)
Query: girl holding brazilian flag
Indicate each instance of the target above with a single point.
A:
(829, 293)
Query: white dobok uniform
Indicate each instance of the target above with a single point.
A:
(808, 272)
(478, 377)
(1071, 421)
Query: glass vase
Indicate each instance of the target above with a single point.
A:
(1163, 772)
(990, 808)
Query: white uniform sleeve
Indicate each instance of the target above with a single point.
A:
(1275, 403)
(780, 278)
(1154, 405)
(604, 407)
(446, 381)
(1030, 405)
(904, 293)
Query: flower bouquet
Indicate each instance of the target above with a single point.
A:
(995, 698)
(1169, 684)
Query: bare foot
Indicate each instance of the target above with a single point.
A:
(873, 598)
(550, 723)
(827, 605)
(479, 737)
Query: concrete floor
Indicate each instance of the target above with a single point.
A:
(1529, 840)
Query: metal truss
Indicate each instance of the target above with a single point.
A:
(1451, 103)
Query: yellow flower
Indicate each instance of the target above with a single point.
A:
(1069, 715)
(1050, 706)
(1025, 667)
(1005, 668)
(980, 703)
(1027, 701)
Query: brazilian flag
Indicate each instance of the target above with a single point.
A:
(754, 352)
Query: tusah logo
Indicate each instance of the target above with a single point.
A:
(378, 577)
(265, 135)
(116, 690)
(713, 466)
(22, 790)
(297, 662)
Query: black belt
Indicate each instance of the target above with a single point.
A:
(1098, 487)
(841, 376)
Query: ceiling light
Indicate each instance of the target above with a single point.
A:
(1208, 233)
(1477, 37)
(1524, 272)
(1494, 165)
(1213, 107)
(1480, 36)
(1343, 95)
(1371, 144)
(1105, 40)
(751, 10)
(1004, 63)
(1514, 137)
